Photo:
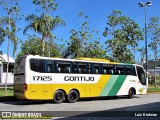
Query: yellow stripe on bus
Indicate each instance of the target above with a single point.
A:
(46, 91)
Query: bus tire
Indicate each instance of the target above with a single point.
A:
(131, 93)
(59, 96)
(73, 96)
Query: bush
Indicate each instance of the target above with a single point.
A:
(151, 80)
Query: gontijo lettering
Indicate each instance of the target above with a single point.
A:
(78, 78)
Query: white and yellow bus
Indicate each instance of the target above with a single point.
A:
(57, 79)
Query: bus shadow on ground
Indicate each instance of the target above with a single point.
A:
(138, 112)
(14, 101)
(105, 98)
(7, 98)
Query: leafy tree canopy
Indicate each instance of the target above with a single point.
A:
(123, 34)
(33, 46)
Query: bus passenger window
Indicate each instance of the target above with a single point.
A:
(89, 69)
(59, 70)
(49, 68)
(104, 71)
(74, 68)
(119, 70)
(128, 70)
(33, 64)
(63, 67)
(40, 66)
(37, 65)
(79, 70)
(67, 69)
(96, 69)
(82, 68)
(133, 71)
(107, 69)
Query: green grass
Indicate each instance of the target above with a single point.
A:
(153, 90)
(9, 91)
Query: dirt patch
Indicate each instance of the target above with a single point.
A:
(153, 93)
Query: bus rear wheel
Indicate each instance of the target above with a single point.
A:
(131, 93)
(59, 96)
(73, 96)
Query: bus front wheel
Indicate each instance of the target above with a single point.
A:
(73, 96)
(131, 93)
(59, 96)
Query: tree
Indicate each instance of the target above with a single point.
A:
(45, 23)
(1, 32)
(8, 23)
(123, 33)
(154, 34)
(74, 48)
(33, 46)
(142, 53)
(94, 50)
(84, 42)
(9, 32)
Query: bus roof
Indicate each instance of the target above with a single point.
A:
(73, 60)
(82, 59)
(93, 59)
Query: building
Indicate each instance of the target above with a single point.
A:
(3, 69)
(154, 72)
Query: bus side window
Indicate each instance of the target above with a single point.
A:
(128, 70)
(37, 65)
(49, 67)
(63, 67)
(74, 68)
(40, 66)
(33, 64)
(59, 70)
(89, 68)
(104, 71)
(97, 69)
(57, 67)
(107, 69)
(119, 70)
(133, 71)
(67, 69)
(82, 68)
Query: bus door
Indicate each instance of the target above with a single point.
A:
(141, 75)
(142, 79)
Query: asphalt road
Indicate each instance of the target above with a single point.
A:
(140, 107)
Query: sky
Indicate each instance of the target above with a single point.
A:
(97, 10)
